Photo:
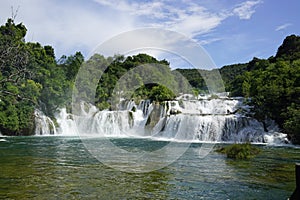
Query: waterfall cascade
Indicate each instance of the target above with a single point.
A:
(222, 120)
(43, 124)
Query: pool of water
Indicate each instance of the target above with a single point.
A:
(62, 168)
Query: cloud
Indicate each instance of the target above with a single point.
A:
(188, 17)
(157, 42)
(282, 27)
(153, 8)
(209, 41)
(81, 25)
(67, 26)
(246, 10)
(185, 17)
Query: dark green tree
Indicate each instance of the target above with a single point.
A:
(31, 78)
(161, 93)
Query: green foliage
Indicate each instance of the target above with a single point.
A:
(194, 78)
(195, 93)
(30, 78)
(274, 86)
(161, 93)
(240, 151)
(292, 122)
(129, 78)
(199, 80)
(273, 90)
(18, 95)
(290, 48)
(87, 81)
(230, 76)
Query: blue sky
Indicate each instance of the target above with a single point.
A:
(231, 32)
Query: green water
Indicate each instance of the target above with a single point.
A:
(61, 168)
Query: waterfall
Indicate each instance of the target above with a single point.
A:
(145, 106)
(196, 128)
(67, 124)
(126, 105)
(222, 120)
(43, 124)
(214, 106)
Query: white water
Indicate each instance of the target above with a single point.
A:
(43, 124)
(67, 125)
(221, 120)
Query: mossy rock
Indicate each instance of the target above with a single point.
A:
(213, 96)
(130, 119)
(133, 109)
(240, 151)
(174, 111)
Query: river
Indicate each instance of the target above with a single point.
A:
(59, 167)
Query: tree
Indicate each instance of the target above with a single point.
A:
(30, 78)
(274, 86)
(161, 93)
(14, 57)
(18, 93)
(292, 123)
(290, 48)
(125, 77)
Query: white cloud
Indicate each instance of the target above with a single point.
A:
(282, 27)
(209, 41)
(185, 17)
(246, 10)
(71, 26)
(68, 27)
(160, 43)
(153, 8)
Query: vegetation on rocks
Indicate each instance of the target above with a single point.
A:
(240, 151)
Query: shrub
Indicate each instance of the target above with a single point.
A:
(161, 93)
(240, 151)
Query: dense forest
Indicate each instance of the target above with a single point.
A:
(131, 77)
(31, 77)
(272, 84)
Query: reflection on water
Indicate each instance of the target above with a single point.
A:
(61, 168)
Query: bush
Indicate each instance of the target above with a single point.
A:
(161, 93)
(240, 151)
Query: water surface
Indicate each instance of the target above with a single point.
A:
(61, 168)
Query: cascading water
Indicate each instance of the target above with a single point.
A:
(67, 125)
(43, 124)
(221, 120)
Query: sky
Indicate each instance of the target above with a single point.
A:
(230, 32)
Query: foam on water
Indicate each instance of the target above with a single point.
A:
(204, 120)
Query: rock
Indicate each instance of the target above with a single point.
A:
(174, 111)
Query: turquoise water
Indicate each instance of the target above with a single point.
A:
(61, 168)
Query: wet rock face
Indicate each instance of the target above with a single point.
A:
(22, 132)
(154, 116)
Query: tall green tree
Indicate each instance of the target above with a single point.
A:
(31, 78)
(18, 92)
